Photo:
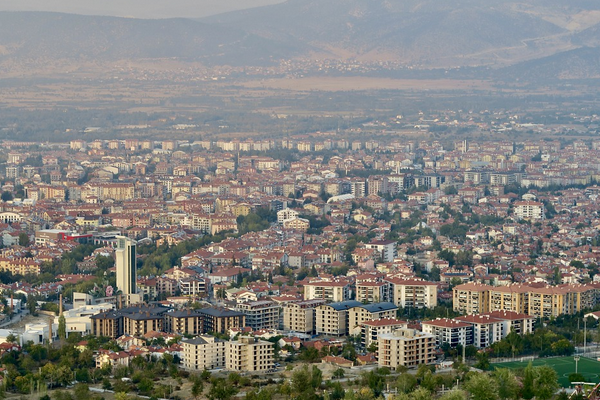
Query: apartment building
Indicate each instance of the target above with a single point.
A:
(368, 312)
(371, 330)
(108, 324)
(334, 291)
(530, 210)
(537, 300)
(248, 354)
(449, 331)
(184, 322)
(203, 352)
(221, 320)
(139, 324)
(372, 292)
(300, 316)
(261, 314)
(471, 298)
(386, 249)
(520, 323)
(332, 319)
(486, 329)
(405, 347)
(509, 298)
(413, 293)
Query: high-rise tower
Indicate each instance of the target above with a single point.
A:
(125, 255)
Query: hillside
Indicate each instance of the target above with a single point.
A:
(65, 36)
(428, 33)
(420, 34)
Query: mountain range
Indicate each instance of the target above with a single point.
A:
(415, 33)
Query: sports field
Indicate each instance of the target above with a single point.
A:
(564, 366)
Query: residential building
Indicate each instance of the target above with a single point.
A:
(332, 319)
(372, 292)
(486, 329)
(336, 291)
(405, 347)
(530, 210)
(261, 314)
(413, 293)
(471, 298)
(386, 248)
(449, 331)
(367, 312)
(371, 330)
(203, 352)
(248, 354)
(221, 320)
(300, 316)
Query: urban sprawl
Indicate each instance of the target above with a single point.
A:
(248, 256)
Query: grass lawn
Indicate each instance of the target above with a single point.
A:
(563, 366)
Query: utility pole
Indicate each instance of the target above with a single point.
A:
(584, 335)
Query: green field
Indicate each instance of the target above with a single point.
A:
(564, 366)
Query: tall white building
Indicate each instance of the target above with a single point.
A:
(125, 255)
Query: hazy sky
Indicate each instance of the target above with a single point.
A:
(135, 8)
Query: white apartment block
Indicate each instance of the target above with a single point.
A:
(203, 352)
(286, 214)
(248, 354)
(406, 347)
(300, 316)
(327, 290)
(386, 248)
(486, 330)
(529, 210)
(261, 314)
(449, 331)
(371, 330)
(372, 292)
(413, 293)
(368, 312)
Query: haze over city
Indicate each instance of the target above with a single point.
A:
(135, 8)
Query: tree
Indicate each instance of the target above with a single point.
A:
(546, 382)
(483, 361)
(515, 342)
(508, 386)
(421, 394)
(6, 196)
(221, 390)
(406, 382)
(82, 391)
(482, 387)
(11, 338)
(338, 373)
(197, 388)
(32, 305)
(576, 377)
(145, 386)
(528, 382)
(62, 327)
(23, 239)
(455, 394)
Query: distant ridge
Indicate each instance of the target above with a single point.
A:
(420, 34)
(60, 36)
